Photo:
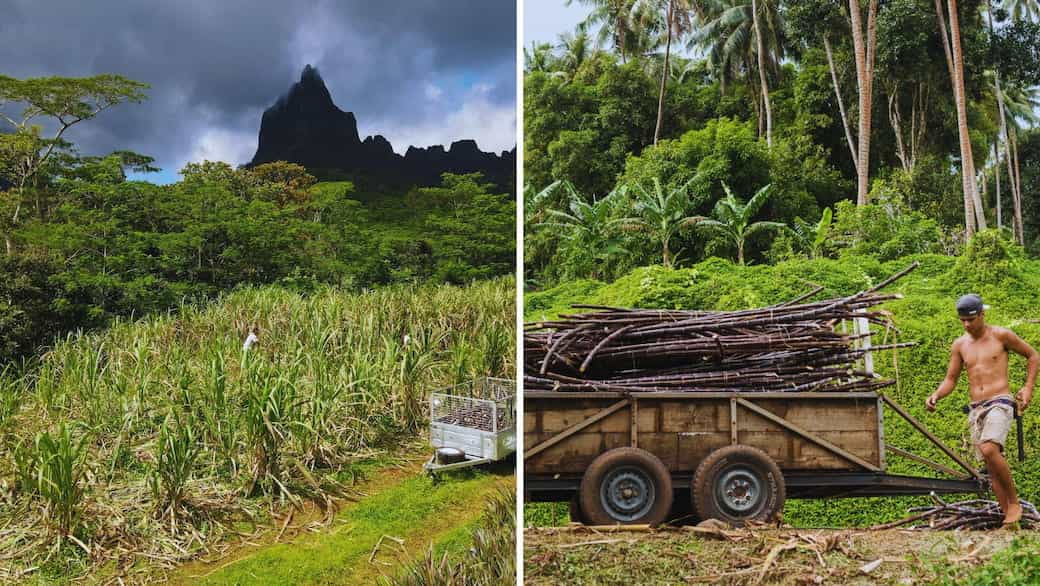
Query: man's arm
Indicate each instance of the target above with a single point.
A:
(953, 372)
(1019, 346)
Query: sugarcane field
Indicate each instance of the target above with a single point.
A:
(165, 449)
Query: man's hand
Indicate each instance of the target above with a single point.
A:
(1025, 396)
(930, 402)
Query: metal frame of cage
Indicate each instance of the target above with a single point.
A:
(477, 417)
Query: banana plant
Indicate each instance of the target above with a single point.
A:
(661, 214)
(812, 237)
(732, 219)
(588, 226)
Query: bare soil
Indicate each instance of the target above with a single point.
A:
(580, 555)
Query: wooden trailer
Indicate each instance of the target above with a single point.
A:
(645, 458)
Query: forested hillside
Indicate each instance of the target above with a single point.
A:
(83, 244)
(668, 132)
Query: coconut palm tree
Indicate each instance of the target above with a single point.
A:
(612, 20)
(576, 48)
(1023, 9)
(741, 37)
(539, 58)
(677, 22)
(951, 40)
(1020, 109)
(661, 214)
(732, 219)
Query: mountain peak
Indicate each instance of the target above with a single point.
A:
(305, 126)
(308, 94)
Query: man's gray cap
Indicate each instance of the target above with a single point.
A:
(970, 304)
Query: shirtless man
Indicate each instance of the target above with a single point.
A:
(983, 352)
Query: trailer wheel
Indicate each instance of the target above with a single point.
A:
(627, 486)
(737, 484)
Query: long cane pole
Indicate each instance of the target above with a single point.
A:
(1021, 439)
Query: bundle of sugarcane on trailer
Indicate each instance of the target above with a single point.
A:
(639, 416)
(472, 423)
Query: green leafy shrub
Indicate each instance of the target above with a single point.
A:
(886, 230)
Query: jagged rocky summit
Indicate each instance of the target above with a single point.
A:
(306, 127)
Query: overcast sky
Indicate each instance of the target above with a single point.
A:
(419, 72)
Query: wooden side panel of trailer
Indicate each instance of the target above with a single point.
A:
(681, 431)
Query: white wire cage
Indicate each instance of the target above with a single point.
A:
(477, 417)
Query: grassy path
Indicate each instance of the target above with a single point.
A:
(405, 505)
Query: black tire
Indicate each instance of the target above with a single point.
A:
(738, 484)
(626, 486)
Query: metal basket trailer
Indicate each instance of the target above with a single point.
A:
(472, 423)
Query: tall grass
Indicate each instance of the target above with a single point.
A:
(491, 560)
(51, 469)
(175, 455)
(180, 417)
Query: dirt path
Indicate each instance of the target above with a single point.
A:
(399, 503)
(683, 556)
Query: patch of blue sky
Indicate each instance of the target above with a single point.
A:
(163, 177)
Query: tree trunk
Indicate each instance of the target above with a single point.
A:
(895, 119)
(864, 49)
(1003, 126)
(841, 103)
(996, 172)
(664, 73)
(962, 118)
(619, 23)
(972, 204)
(1014, 186)
(1018, 189)
(982, 182)
(917, 122)
(740, 252)
(762, 73)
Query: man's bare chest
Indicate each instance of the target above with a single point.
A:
(985, 353)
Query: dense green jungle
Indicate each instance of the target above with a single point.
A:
(727, 155)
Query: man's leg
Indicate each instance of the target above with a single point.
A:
(1003, 485)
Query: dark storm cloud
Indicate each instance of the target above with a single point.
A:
(405, 67)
